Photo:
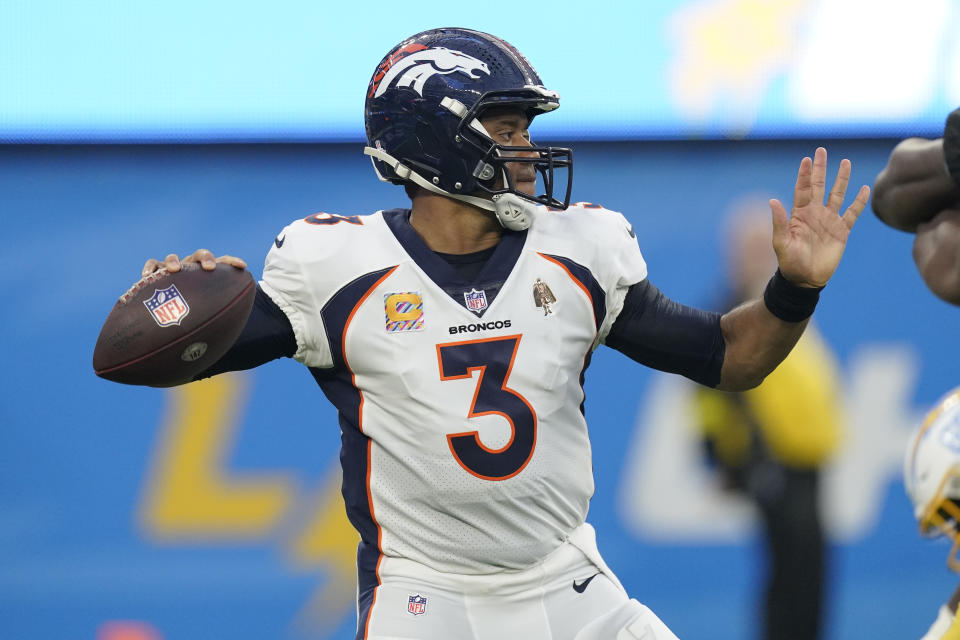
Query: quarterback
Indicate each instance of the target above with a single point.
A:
(453, 337)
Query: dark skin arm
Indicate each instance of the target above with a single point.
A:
(916, 193)
(914, 186)
(757, 341)
(936, 250)
(809, 243)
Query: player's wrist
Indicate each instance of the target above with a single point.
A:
(951, 145)
(788, 301)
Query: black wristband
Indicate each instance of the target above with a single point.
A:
(951, 145)
(790, 302)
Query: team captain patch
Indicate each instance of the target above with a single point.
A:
(403, 311)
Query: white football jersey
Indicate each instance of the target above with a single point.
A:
(464, 444)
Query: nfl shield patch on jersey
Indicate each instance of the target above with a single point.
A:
(475, 300)
(417, 605)
(167, 306)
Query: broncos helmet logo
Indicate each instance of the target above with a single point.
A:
(415, 69)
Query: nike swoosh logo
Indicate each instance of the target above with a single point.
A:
(279, 241)
(580, 588)
(633, 234)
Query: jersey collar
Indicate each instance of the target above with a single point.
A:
(490, 279)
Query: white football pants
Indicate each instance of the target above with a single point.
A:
(570, 595)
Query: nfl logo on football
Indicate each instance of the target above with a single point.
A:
(167, 306)
(417, 605)
(476, 300)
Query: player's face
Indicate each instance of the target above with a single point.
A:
(508, 126)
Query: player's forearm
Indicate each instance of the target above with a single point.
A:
(756, 342)
(936, 251)
(915, 185)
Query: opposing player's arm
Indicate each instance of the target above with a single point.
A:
(914, 185)
(936, 250)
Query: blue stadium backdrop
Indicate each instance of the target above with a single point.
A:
(234, 69)
(213, 510)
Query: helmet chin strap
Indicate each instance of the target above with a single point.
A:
(511, 211)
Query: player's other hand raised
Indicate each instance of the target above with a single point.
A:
(810, 240)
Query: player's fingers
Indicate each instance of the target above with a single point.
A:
(233, 261)
(149, 267)
(205, 257)
(818, 181)
(854, 210)
(801, 192)
(839, 190)
(172, 263)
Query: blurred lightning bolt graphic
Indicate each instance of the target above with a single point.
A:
(327, 540)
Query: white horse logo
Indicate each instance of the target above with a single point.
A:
(415, 69)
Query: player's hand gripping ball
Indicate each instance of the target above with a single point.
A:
(171, 326)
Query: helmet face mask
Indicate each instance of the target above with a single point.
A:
(423, 111)
(493, 157)
(932, 474)
(941, 517)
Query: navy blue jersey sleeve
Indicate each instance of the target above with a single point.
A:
(266, 336)
(667, 336)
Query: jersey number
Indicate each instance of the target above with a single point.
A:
(492, 359)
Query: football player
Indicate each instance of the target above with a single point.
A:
(931, 474)
(919, 191)
(466, 460)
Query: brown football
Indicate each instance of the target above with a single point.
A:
(171, 326)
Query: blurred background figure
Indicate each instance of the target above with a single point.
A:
(770, 443)
(919, 191)
(931, 475)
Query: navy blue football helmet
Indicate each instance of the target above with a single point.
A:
(422, 118)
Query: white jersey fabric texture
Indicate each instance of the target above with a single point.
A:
(565, 596)
(465, 447)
